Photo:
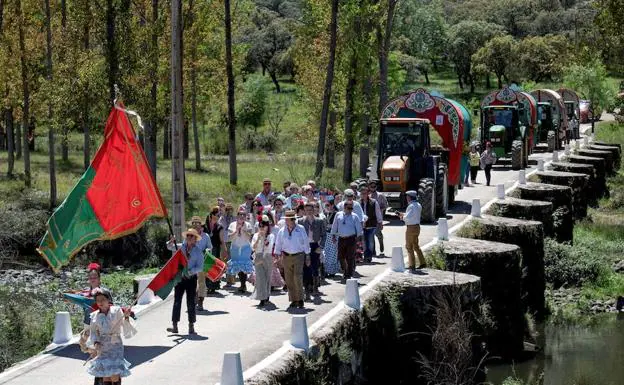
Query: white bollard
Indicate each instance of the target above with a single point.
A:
(567, 149)
(540, 165)
(352, 294)
(476, 208)
(521, 177)
(148, 295)
(443, 232)
(232, 370)
(62, 328)
(500, 191)
(299, 332)
(555, 156)
(398, 263)
(586, 141)
(577, 144)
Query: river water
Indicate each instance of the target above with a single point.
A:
(581, 355)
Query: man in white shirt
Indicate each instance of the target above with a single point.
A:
(412, 221)
(357, 209)
(264, 195)
(293, 245)
(383, 205)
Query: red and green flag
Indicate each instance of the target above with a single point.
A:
(169, 275)
(114, 197)
(213, 267)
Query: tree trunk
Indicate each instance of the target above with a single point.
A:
(329, 79)
(472, 83)
(275, 81)
(151, 145)
(52, 160)
(231, 116)
(65, 135)
(177, 118)
(348, 121)
(384, 41)
(18, 141)
(1, 15)
(194, 115)
(365, 134)
(426, 73)
(185, 146)
(330, 153)
(25, 95)
(111, 49)
(488, 83)
(500, 81)
(87, 136)
(459, 80)
(8, 122)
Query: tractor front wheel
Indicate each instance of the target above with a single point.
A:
(551, 139)
(441, 191)
(516, 155)
(426, 197)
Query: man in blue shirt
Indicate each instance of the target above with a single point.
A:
(347, 229)
(188, 285)
(412, 221)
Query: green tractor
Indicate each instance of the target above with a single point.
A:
(500, 125)
(547, 126)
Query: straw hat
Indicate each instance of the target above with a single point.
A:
(290, 214)
(195, 218)
(192, 232)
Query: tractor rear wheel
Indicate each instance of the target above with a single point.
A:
(441, 191)
(550, 139)
(426, 197)
(451, 196)
(525, 153)
(516, 155)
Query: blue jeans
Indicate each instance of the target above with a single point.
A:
(369, 243)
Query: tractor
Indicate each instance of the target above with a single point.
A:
(500, 125)
(558, 114)
(407, 162)
(547, 126)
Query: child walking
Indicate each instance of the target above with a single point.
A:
(105, 343)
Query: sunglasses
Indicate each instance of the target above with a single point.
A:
(241, 215)
(348, 208)
(267, 184)
(196, 223)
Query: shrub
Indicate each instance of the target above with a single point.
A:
(568, 265)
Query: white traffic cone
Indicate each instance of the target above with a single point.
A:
(443, 233)
(540, 165)
(398, 263)
(299, 332)
(352, 294)
(476, 208)
(232, 370)
(62, 328)
(500, 191)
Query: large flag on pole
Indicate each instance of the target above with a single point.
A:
(114, 197)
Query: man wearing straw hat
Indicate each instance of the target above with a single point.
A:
(293, 245)
(203, 245)
(188, 284)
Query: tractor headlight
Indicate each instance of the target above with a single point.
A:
(396, 178)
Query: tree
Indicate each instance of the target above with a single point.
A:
(49, 71)
(465, 39)
(270, 40)
(231, 113)
(329, 79)
(498, 56)
(590, 80)
(25, 92)
(543, 57)
(421, 34)
(384, 39)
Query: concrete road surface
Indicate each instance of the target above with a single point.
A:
(232, 322)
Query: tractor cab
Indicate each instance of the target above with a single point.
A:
(545, 121)
(404, 154)
(500, 125)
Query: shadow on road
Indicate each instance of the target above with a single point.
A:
(136, 355)
(208, 312)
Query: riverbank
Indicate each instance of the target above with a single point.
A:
(585, 279)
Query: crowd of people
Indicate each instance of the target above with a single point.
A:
(287, 240)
